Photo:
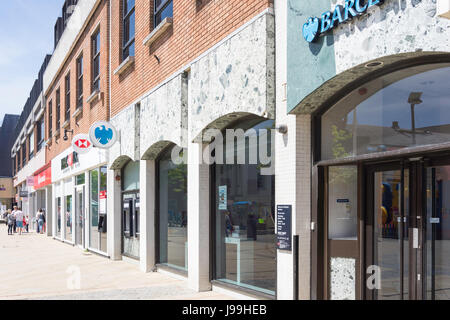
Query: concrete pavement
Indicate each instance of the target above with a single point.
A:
(34, 266)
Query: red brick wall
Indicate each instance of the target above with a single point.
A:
(196, 28)
(92, 112)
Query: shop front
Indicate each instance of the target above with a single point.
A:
(79, 199)
(42, 191)
(372, 147)
(384, 159)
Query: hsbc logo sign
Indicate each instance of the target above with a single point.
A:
(81, 143)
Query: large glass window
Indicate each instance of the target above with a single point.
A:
(245, 242)
(128, 29)
(163, 9)
(68, 219)
(403, 109)
(172, 212)
(58, 213)
(98, 230)
(130, 210)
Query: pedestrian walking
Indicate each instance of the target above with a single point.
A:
(26, 221)
(19, 219)
(41, 220)
(10, 219)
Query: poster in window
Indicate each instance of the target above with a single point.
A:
(102, 197)
(222, 197)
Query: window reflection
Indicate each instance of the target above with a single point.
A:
(172, 212)
(402, 109)
(245, 222)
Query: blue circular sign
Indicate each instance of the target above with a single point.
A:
(103, 134)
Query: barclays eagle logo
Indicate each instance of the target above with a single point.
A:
(103, 135)
(311, 29)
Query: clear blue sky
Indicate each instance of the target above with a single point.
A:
(26, 36)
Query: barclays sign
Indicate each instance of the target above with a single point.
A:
(315, 27)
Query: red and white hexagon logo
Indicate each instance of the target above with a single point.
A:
(81, 143)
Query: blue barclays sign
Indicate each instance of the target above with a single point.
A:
(315, 27)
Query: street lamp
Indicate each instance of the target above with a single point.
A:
(413, 100)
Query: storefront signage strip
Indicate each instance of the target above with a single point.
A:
(315, 27)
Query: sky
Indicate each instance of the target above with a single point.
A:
(26, 36)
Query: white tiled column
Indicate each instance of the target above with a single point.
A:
(147, 215)
(198, 220)
(114, 208)
(49, 210)
(292, 172)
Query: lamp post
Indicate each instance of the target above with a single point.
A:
(413, 100)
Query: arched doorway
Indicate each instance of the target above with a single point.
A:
(382, 156)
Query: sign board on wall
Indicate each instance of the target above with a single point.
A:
(284, 227)
(315, 27)
(81, 143)
(43, 179)
(103, 134)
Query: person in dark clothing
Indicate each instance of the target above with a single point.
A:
(10, 220)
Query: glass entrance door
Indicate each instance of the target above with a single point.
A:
(389, 267)
(79, 218)
(437, 234)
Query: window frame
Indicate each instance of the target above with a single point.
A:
(95, 49)
(158, 10)
(58, 109)
(40, 137)
(126, 21)
(79, 84)
(67, 97)
(50, 118)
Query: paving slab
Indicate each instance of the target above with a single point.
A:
(34, 266)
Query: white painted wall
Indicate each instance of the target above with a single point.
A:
(93, 159)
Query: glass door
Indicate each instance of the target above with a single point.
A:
(79, 218)
(437, 234)
(388, 244)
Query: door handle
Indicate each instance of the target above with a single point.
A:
(415, 238)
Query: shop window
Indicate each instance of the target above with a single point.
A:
(173, 242)
(58, 212)
(98, 222)
(80, 179)
(128, 28)
(403, 109)
(130, 210)
(163, 9)
(342, 203)
(68, 219)
(244, 216)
